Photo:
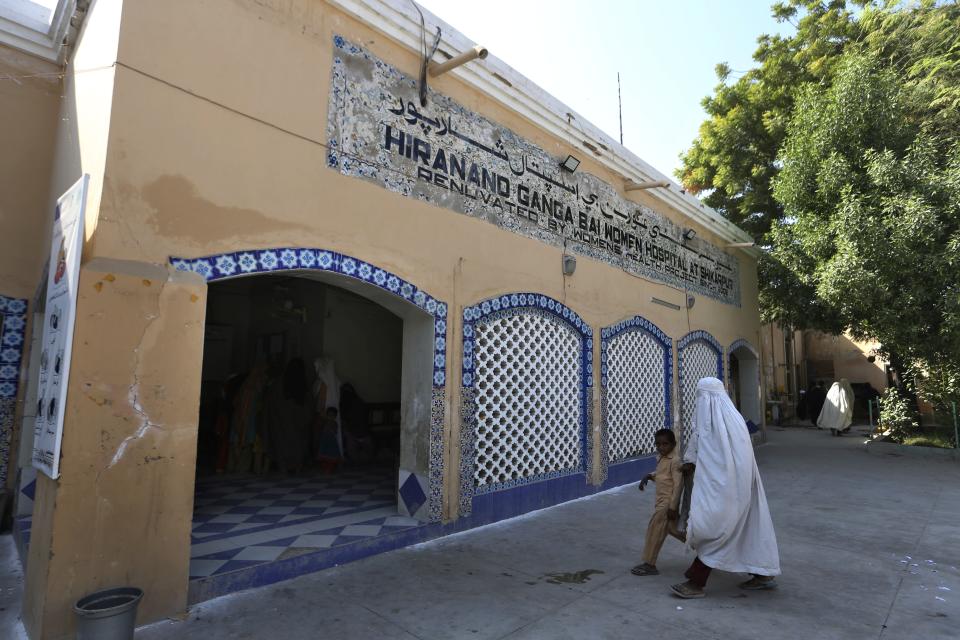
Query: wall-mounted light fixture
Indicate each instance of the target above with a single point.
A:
(437, 68)
(689, 234)
(741, 245)
(569, 265)
(570, 164)
(691, 300)
(664, 303)
(630, 185)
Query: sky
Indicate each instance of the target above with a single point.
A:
(665, 52)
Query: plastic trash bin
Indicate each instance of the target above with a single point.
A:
(110, 614)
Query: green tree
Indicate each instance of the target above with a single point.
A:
(871, 231)
(733, 161)
(840, 152)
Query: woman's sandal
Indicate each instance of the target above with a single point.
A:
(645, 570)
(758, 584)
(687, 591)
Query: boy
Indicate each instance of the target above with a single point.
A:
(669, 479)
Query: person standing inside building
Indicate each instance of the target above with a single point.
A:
(290, 417)
(326, 395)
(730, 526)
(669, 481)
(837, 412)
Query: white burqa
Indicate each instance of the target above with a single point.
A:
(837, 412)
(730, 527)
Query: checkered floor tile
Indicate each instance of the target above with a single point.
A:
(240, 522)
(243, 521)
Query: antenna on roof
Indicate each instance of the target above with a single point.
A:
(620, 104)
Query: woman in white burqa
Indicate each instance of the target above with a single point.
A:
(729, 527)
(837, 412)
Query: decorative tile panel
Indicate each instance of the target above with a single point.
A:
(242, 263)
(699, 355)
(636, 375)
(448, 155)
(527, 380)
(13, 325)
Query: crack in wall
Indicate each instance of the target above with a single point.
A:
(133, 393)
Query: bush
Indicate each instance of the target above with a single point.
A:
(938, 384)
(898, 419)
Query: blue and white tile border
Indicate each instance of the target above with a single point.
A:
(499, 307)
(259, 261)
(607, 335)
(699, 336)
(14, 325)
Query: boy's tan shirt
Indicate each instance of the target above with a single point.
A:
(669, 479)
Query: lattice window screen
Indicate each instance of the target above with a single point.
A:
(528, 373)
(699, 360)
(635, 394)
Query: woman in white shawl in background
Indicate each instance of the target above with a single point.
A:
(730, 527)
(837, 412)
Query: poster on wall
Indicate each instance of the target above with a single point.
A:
(65, 248)
(455, 158)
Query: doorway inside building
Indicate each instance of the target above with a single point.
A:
(300, 423)
(745, 383)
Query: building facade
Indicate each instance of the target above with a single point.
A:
(794, 361)
(276, 203)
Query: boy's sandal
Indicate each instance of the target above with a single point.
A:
(758, 584)
(685, 591)
(644, 570)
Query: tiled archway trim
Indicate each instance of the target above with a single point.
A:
(607, 336)
(13, 318)
(702, 336)
(686, 389)
(504, 306)
(261, 261)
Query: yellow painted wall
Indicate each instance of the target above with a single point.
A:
(29, 100)
(849, 357)
(208, 135)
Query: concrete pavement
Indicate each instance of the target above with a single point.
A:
(869, 548)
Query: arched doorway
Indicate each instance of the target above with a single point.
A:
(744, 367)
(266, 493)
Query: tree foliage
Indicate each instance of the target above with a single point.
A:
(840, 152)
(734, 159)
(872, 214)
